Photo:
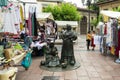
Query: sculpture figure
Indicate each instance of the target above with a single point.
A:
(51, 56)
(67, 53)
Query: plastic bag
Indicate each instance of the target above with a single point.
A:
(27, 60)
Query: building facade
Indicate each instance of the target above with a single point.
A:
(109, 4)
(45, 3)
(84, 22)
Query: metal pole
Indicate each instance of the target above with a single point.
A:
(89, 16)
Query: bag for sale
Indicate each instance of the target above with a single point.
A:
(27, 60)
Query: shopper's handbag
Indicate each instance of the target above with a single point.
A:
(27, 61)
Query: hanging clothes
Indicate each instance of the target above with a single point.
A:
(22, 18)
(9, 20)
(115, 33)
(30, 22)
(12, 18)
(105, 29)
(18, 17)
(29, 25)
(3, 3)
(118, 47)
(109, 32)
(35, 24)
(112, 50)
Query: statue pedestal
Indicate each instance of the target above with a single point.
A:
(59, 68)
(117, 61)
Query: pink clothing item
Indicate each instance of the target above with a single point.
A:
(30, 25)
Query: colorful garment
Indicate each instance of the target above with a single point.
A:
(3, 2)
(9, 20)
(113, 50)
(22, 18)
(118, 47)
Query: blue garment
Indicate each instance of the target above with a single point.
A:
(28, 41)
(24, 46)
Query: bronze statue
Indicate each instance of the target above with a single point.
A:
(67, 53)
(51, 56)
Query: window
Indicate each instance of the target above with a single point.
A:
(92, 18)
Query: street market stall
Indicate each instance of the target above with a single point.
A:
(11, 24)
(110, 33)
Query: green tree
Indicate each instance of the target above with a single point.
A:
(117, 9)
(64, 11)
(94, 22)
(94, 7)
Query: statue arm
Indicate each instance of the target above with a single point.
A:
(74, 36)
(56, 51)
(47, 50)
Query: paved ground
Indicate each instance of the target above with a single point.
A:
(94, 66)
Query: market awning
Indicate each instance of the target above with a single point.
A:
(111, 14)
(43, 16)
(64, 23)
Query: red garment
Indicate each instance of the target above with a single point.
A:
(92, 42)
(30, 24)
(118, 47)
(105, 29)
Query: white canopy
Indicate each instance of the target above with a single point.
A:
(44, 16)
(111, 14)
(64, 23)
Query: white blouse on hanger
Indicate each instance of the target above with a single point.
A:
(9, 20)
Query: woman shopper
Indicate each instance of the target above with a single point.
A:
(88, 39)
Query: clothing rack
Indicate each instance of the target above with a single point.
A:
(24, 3)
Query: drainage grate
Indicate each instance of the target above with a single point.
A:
(51, 78)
